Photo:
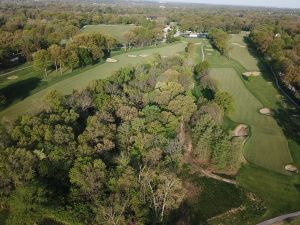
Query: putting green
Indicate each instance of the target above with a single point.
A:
(32, 103)
(267, 145)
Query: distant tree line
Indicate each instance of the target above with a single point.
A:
(279, 43)
(25, 30)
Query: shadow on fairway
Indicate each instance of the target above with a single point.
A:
(19, 90)
(285, 117)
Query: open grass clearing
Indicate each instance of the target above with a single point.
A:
(116, 31)
(32, 103)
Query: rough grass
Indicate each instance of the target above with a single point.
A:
(115, 31)
(32, 103)
(280, 193)
(267, 145)
(212, 199)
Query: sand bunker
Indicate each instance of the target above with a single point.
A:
(164, 56)
(132, 56)
(291, 168)
(265, 111)
(111, 60)
(241, 131)
(12, 77)
(252, 74)
(237, 44)
(144, 56)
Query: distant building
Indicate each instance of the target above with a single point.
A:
(152, 18)
(177, 34)
(203, 35)
(193, 35)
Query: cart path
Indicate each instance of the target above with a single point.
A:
(280, 218)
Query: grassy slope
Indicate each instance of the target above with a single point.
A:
(115, 31)
(267, 145)
(281, 193)
(81, 80)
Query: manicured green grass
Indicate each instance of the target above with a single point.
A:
(115, 31)
(267, 145)
(241, 53)
(32, 103)
(280, 193)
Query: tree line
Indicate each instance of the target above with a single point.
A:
(81, 50)
(279, 43)
(220, 40)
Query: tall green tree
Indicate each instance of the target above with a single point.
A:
(41, 60)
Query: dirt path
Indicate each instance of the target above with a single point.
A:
(216, 177)
(280, 218)
(203, 56)
(3, 74)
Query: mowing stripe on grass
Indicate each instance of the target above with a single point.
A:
(267, 145)
(32, 103)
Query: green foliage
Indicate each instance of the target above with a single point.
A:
(225, 100)
(220, 39)
(201, 68)
(26, 204)
(41, 60)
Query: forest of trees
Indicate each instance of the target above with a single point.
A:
(113, 153)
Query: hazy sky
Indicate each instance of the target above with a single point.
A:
(271, 3)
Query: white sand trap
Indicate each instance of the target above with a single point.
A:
(111, 60)
(198, 43)
(252, 74)
(164, 56)
(237, 44)
(132, 56)
(144, 56)
(291, 168)
(265, 111)
(12, 77)
(209, 53)
(241, 131)
(209, 49)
